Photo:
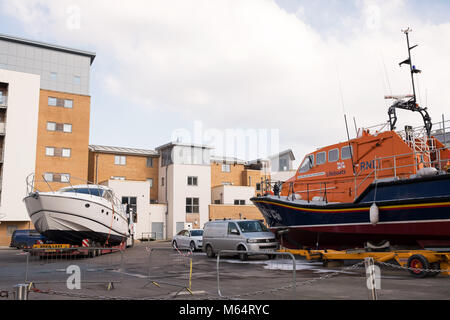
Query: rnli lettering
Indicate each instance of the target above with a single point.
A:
(369, 165)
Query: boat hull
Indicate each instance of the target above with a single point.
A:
(66, 219)
(424, 222)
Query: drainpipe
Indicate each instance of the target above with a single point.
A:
(167, 205)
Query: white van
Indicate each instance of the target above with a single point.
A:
(242, 235)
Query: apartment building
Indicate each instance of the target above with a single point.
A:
(184, 185)
(114, 163)
(44, 122)
(233, 184)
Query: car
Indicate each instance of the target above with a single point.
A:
(188, 239)
(238, 235)
(26, 238)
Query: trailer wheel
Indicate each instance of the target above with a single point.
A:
(418, 261)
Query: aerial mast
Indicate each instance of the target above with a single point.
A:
(410, 104)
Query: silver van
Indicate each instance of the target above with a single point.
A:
(242, 235)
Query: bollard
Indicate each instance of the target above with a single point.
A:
(371, 278)
(21, 291)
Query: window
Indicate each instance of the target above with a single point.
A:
(77, 80)
(162, 181)
(65, 153)
(216, 201)
(226, 168)
(51, 126)
(346, 152)
(239, 202)
(53, 76)
(10, 230)
(65, 177)
(149, 162)
(57, 102)
(131, 203)
(307, 164)
(258, 187)
(52, 101)
(284, 165)
(68, 104)
(192, 205)
(118, 178)
(120, 160)
(50, 151)
(192, 181)
(67, 128)
(321, 158)
(151, 182)
(333, 155)
(57, 177)
(232, 228)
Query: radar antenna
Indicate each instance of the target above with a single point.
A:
(409, 102)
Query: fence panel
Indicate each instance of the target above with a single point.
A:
(170, 267)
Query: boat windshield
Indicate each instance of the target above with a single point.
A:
(90, 191)
(252, 226)
(307, 164)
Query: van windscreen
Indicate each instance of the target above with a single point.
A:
(252, 226)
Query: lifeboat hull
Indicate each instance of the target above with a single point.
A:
(424, 222)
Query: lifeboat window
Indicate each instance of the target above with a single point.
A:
(321, 158)
(307, 164)
(333, 155)
(346, 152)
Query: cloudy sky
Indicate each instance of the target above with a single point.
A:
(283, 71)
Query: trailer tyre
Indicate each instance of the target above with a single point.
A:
(418, 261)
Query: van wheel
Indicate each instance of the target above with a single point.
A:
(192, 246)
(209, 252)
(242, 256)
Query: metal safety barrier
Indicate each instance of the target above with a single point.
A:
(73, 268)
(171, 267)
(271, 254)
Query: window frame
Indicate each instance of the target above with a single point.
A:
(190, 203)
(120, 157)
(325, 158)
(192, 181)
(226, 165)
(338, 154)
(350, 155)
(52, 153)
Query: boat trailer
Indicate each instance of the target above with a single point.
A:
(420, 263)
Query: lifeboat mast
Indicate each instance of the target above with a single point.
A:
(410, 104)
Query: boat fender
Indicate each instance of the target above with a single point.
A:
(426, 172)
(374, 214)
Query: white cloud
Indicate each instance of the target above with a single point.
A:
(250, 64)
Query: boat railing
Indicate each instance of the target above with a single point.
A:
(440, 164)
(395, 170)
